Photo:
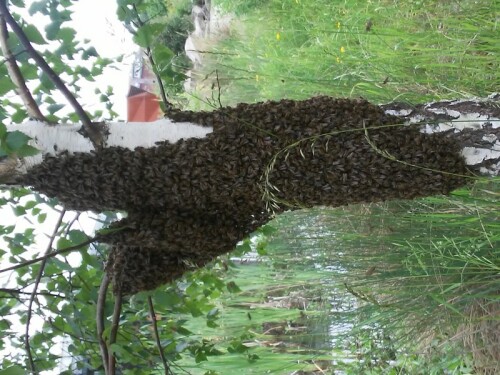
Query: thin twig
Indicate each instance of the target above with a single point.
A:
(101, 302)
(218, 88)
(33, 294)
(114, 331)
(91, 129)
(157, 336)
(51, 255)
(16, 76)
(17, 291)
(149, 54)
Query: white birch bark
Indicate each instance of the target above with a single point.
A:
(67, 138)
(474, 123)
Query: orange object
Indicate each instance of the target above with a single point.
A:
(142, 106)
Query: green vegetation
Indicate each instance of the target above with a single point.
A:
(420, 279)
(389, 288)
(382, 50)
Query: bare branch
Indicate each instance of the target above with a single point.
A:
(114, 331)
(157, 336)
(90, 128)
(50, 255)
(33, 294)
(101, 302)
(16, 75)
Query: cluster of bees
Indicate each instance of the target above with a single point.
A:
(191, 201)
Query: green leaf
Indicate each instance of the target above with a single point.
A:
(52, 29)
(30, 204)
(18, 210)
(15, 140)
(3, 131)
(38, 6)
(41, 218)
(261, 248)
(66, 34)
(19, 116)
(145, 36)
(46, 82)
(6, 85)
(183, 331)
(200, 357)
(267, 230)
(118, 350)
(34, 35)
(61, 265)
(77, 236)
(232, 287)
(53, 108)
(166, 299)
(18, 3)
(63, 243)
(27, 150)
(13, 370)
(4, 325)
(89, 52)
(243, 248)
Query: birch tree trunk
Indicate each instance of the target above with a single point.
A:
(195, 185)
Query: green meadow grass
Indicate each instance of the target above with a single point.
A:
(413, 51)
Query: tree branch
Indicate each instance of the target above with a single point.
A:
(157, 336)
(114, 331)
(16, 75)
(17, 291)
(90, 128)
(101, 302)
(33, 293)
(50, 255)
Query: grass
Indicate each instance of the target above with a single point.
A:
(405, 287)
(413, 51)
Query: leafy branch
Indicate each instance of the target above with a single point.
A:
(16, 75)
(91, 129)
(51, 255)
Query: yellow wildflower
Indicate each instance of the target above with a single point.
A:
(338, 59)
(278, 36)
(342, 49)
(338, 24)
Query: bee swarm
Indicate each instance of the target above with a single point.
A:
(191, 201)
